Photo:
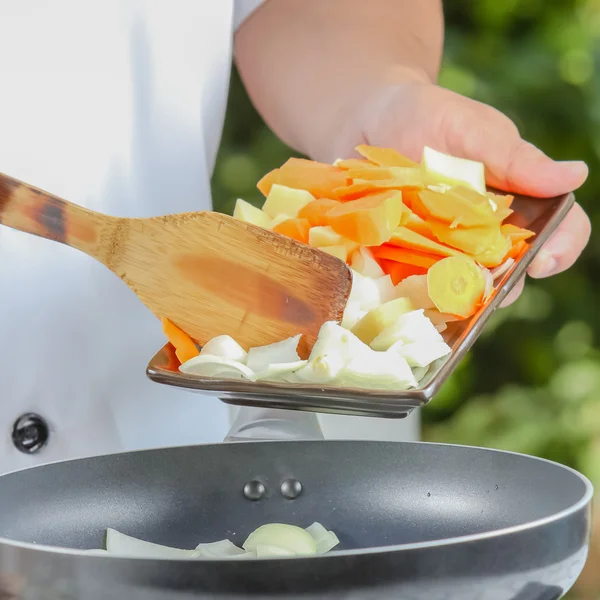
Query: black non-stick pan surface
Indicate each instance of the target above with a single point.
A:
(416, 522)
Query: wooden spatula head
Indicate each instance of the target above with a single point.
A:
(208, 273)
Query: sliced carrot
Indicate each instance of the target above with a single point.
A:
(406, 238)
(264, 185)
(315, 211)
(501, 201)
(371, 220)
(515, 233)
(354, 191)
(295, 228)
(181, 341)
(354, 163)
(317, 178)
(495, 253)
(385, 157)
(503, 213)
(409, 257)
(457, 207)
(409, 196)
(471, 240)
(456, 285)
(400, 271)
(517, 249)
(369, 173)
(416, 224)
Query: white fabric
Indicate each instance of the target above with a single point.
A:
(117, 105)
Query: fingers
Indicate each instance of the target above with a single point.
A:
(479, 132)
(514, 294)
(565, 245)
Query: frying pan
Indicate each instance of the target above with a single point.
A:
(416, 521)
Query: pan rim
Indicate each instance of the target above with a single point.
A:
(582, 503)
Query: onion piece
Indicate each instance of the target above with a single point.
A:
(362, 260)
(266, 551)
(410, 328)
(206, 365)
(220, 549)
(503, 268)
(420, 354)
(415, 288)
(262, 357)
(385, 287)
(125, 545)
(353, 313)
(379, 370)
(285, 537)
(225, 346)
(324, 540)
(281, 371)
(489, 283)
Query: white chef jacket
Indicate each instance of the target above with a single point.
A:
(117, 105)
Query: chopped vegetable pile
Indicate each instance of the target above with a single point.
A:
(425, 242)
(273, 540)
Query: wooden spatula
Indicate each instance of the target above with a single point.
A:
(208, 273)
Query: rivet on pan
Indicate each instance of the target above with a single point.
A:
(291, 489)
(254, 490)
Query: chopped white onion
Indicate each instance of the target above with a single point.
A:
(362, 261)
(502, 269)
(286, 537)
(415, 288)
(125, 545)
(420, 354)
(281, 372)
(268, 541)
(220, 549)
(324, 540)
(410, 328)
(489, 283)
(353, 313)
(225, 346)
(261, 357)
(206, 365)
(379, 370)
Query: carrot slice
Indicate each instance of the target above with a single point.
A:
(181, 341)
(456, 286)
(514, 233)
(495, 253)
(406, 238)
(385, 157)
(317, 178)
(457, 207)
(501, 201)
(295, 228)
(416, 224)
(400, 271)
(409, 257)
(517, 250)
(370, 221)
(316, 210)
(354, 163)
(471, 240)
(264, 185)
(369, 173)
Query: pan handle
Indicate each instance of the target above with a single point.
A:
(267, 424)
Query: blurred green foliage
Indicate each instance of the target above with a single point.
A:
(532, 382)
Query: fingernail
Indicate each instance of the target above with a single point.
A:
(576, 166)
(545, 264)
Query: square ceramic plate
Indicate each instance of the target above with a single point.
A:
(541, 216)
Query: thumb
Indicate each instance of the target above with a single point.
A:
(480, 132)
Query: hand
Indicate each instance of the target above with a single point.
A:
(411, 115)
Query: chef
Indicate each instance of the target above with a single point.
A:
(118, 105)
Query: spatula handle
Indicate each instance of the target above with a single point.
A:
(34, 211)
